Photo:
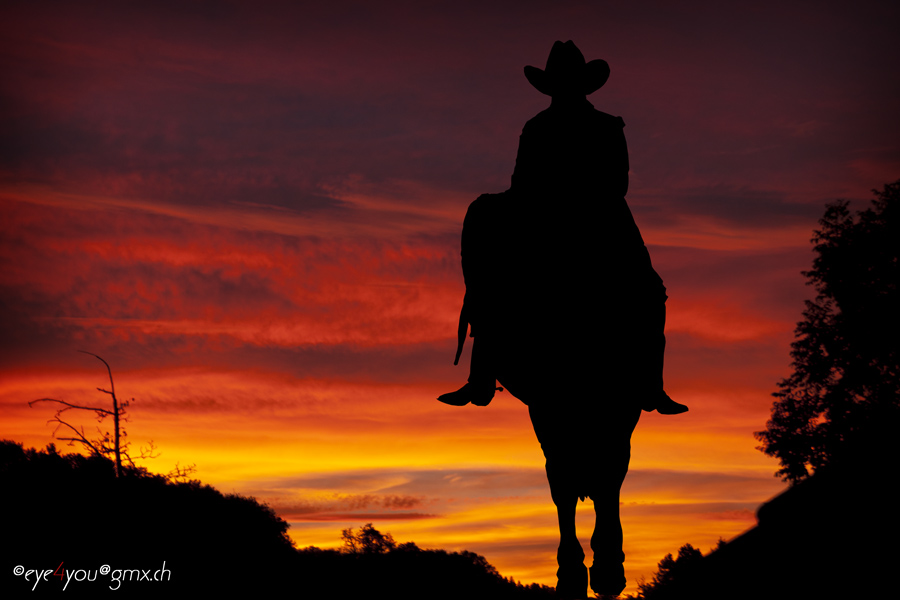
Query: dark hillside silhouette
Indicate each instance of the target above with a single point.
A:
(834, 532)
(408, 571)
(71, 509)
(831, 536)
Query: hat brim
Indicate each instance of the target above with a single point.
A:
(538, 78)
(596, 73)
(593, 76)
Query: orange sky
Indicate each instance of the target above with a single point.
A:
(309, 382)
(254, 218)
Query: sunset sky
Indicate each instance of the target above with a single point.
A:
(252, 212)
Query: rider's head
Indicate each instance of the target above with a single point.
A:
(567, 75)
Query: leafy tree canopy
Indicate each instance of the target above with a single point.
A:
(367, 541)
(843, 399)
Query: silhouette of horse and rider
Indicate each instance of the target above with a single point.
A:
(565, 309)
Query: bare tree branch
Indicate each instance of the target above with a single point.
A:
(108, 370)
(180, 473)
(81, 437)
(93, 408)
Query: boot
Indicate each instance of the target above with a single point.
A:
(478, 395)
(666, 406)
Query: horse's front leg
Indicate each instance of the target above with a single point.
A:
(572, 574)
(554, 434)
(607, 571)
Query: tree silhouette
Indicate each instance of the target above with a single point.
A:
(842, 402)
(671, 571)
(368, 541)
(109, 444)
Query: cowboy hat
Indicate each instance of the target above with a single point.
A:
(567, 72)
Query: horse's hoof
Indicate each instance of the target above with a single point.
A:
(572, 582)
(608, 582)
(564, 592)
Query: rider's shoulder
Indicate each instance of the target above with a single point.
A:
(549, 118)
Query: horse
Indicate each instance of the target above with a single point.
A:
(566, 310)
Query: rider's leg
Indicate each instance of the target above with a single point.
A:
(654, 336)
(482, 378)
